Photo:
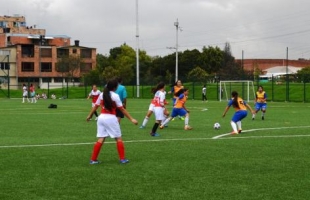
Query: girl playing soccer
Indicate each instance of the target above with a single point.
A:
(107, 123)
(241, 111)
(179, 109)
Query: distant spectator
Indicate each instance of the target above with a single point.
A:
(44, 96)
(53, 96)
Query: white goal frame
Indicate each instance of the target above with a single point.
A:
(249, 85)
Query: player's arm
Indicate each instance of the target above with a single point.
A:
(126, 113)
(249, 107)
(225, 111)
(227, 108)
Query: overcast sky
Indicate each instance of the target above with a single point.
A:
(259, 28)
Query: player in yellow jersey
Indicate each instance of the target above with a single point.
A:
(241, 111)
(260, 102)
(174, 90)
(179, 109)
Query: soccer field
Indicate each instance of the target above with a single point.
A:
(45, 153)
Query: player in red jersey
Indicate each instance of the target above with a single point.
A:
(107, 124)
(94, 94)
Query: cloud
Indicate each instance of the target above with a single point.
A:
(260, 28)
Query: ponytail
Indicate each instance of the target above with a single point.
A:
(235, 103)
(111, 86)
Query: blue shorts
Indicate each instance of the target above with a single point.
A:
(178, 112)
(239, 115)
(259, 106)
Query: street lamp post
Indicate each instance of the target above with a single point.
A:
(176, 24)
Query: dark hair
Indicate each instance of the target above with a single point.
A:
(235, 104)
(111, 86)
(261, 87)
(181, 91)
(119, 79)
(159, 86)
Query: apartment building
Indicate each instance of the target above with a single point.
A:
(29, 55)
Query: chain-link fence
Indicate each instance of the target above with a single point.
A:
(281, 88)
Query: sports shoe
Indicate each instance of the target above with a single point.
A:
(234, 133)
(263, 117)
(172, 119)
(187, 127)
(154, 134)
(239, 131)
(96, 118)
(253, 117)
(142, 127)
(94, 162)
(161, 126)
(181, 118)
(124, 161)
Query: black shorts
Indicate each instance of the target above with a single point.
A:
(119, 113)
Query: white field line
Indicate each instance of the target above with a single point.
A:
(260, 129)
(176, 139)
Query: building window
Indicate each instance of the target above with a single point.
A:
(74, 51)
(86, 67)
(27, 50)
(58, 79)
(86, 53)
(46, 67)
(28, 80)
(46, 80)
(62, 53)
(27, 67)
(46, 52)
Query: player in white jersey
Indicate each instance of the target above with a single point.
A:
(94, 94)
(25, 93)
(159, 107)
(107, 124)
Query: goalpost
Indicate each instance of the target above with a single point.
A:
(244, 88)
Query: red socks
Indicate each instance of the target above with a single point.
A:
(120, 149)
(96, 150)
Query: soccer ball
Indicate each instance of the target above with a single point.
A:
(217, 126)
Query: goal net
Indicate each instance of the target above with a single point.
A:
(244, 88)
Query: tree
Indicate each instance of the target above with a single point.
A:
(198, 74)
(303, 75)
(69, 66)
(211, 59)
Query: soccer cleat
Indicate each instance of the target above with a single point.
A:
(187, 127)
(154, 134)
(142, 127)
(161, 126)
(182, 118)
(234, 133)
(94, 162)
(172, 119)
(263, 117)
(96, 118)
(239, 131)
(124, 161)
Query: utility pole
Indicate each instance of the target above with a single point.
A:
(176, 24)
(137, 51)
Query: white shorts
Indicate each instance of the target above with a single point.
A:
(25, 94)
(93, 105)
(108, 126)
(159, 113)
(151, 107)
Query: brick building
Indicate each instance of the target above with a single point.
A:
(32, 55)
(264, 64)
